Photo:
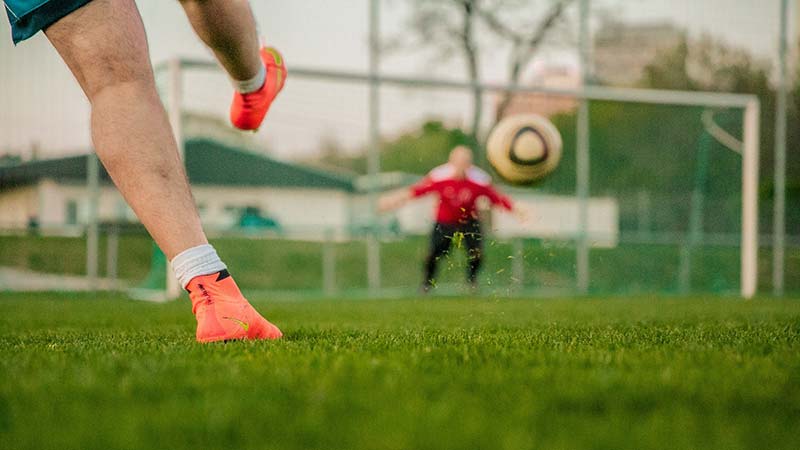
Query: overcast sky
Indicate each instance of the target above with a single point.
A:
(41, 102)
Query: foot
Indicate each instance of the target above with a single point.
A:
(223, 314)
(248, 110)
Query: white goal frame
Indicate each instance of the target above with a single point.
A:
(749, 104)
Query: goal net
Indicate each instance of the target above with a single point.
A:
(656, 192)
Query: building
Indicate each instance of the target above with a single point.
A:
(623, 50)
(240, 191)
(555, 217)
(621, 53)
(554, 76)
(227, 183)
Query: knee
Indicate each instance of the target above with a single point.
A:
(114, 69)
(103, 47)
(102, 63)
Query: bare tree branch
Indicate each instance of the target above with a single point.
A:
(451, 26)
(499, 28)
(524, 47)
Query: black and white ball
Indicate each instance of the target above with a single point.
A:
(524, 148)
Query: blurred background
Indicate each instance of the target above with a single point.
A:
(290, 209)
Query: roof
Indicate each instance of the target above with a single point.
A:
(207, 163)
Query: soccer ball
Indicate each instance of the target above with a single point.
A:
(524, 148)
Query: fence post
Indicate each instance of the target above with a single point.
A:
(643, 214)
(582, 164)
(373, 154)
(779, 203)
(112, 254)
(518, 262)
(92, 230)
(328, 263)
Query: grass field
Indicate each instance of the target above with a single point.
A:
(295, 265)
(700, 373)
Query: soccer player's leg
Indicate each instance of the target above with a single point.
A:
(229, 29)
(441, 238)
(473, 238)
(104, 45)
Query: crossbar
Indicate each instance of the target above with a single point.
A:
(628, 95)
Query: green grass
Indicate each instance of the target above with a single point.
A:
(611, 373)
(295, 265)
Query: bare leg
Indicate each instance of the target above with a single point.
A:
(104, 45)
(229, 29)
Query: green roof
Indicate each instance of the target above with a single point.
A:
(207, 163)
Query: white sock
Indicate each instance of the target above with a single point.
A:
(196, 261)
(253, 84)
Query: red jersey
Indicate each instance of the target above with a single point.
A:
(457, 196)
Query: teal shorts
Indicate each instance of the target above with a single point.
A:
(28, 17)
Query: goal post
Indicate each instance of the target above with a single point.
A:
(750, 153)
(747, 104)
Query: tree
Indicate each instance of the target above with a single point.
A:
(709, 65)
(525, 41)
(451, 27)
(415, 151)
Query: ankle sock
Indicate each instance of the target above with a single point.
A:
(253, 84)
(196, 261)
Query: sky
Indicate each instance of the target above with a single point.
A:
(41, 105)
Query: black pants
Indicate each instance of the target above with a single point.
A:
(467, 235)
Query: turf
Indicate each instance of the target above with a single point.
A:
(276, 264)
(612, 373)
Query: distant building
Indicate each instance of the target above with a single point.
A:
(9, 160)
(237, 190)
(555, 217)
(218, 129)
(621, 53)
(555, 76)
(623, 50)
(226, 182)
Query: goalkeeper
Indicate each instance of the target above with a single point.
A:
(458, 185)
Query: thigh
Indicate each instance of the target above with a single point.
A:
(103, 43)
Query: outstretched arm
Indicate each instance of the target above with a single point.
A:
(400, 197)
(498, 199)
(394, 200)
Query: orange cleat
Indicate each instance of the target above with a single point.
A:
(248, 110)
(223, 314)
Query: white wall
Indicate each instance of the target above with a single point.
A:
(306, 213)
(557, 217)
(296, 210)
(302, 212)
(552, 217)
(17, 205)
(55, 197)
